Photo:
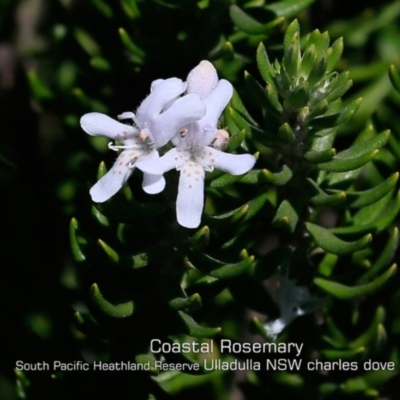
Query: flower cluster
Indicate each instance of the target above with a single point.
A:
(184, 113)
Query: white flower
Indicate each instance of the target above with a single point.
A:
(192, 156)
(293, 301)
(157, 119)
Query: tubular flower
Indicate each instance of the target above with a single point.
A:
(192, 155)
(157, 119)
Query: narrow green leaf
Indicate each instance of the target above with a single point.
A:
(315, 156)
(320, 41)
(244, 22)
(110, 252)
(286, 217)
(333, 120)
(286, 133)
(394, 77)
(292, 34)
(365, 147)
(332, 244)
(371, 196)
(323, 199)
(273, 97)
(384, 258)
(289, 8)
(195, 330)
(130, 8)
(201, 238)
(76, 241)
(347, 164)
(121, 310)
(350, 292)
(103, 7)
(370, 335)
(236, 140)
(317, 72)
(39, 89)
(129, 44)
(264, 66)
(327, 264)
(87, 42)
(334, 53)
(192, 303)
(342, 354)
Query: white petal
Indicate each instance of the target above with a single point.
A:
(153, 184)
(235, 164)
(215, 103)
(159, 166)
(154, 103)
(190, 201)
(113, 180)
(185, 110)
(97, 124)
(202, 79)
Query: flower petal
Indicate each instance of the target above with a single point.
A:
(215, 103)
(185, 110)
(97, 124)
(235, 164)
(113, 180)
(202, 79)
(153, 184)
(159, 166)
(154, 103)
(190, 201)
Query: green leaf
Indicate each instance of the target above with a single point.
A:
(381, 222)
(131, 8)
(192, 303)
(342, 354)
(338, 87)
(315, 156)
(320, 41)
(289, 8)
(252, 131)
(243, 21)
(236, 140)
(111, 253)
(351, 292)
(394, 77)
(286, 217)
(195, 330)
(327, 264)
(292, 34)
(286, 133)
(365, 147)
(87, 42)
(103, 7)
(201, 238)
(317, 72)
(39, 89)
(264, 66)
(332, 244)
(218, 269)
(121, 310)
(384, 258)
(273, 97)
(371, 333)
(371, 196)
(339, 164)
(130, 45)
(334, 53)
(323, 199)
(334, 120)
(76, 241)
